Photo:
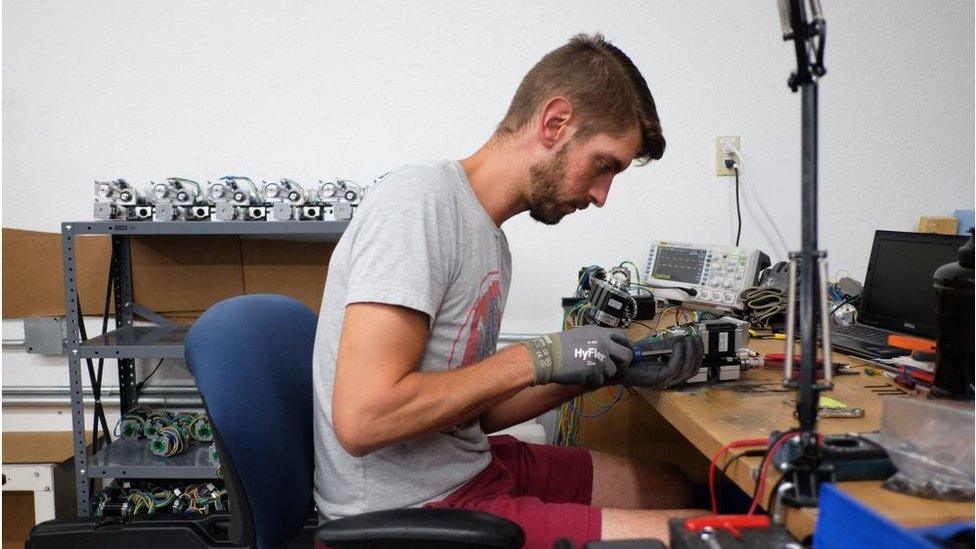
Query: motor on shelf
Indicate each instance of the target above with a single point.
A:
(230, 198)
(177, 199)
(235, 197)
(117, 199)
(284, 199)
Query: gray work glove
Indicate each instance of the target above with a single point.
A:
(660, 371)
(588, 355)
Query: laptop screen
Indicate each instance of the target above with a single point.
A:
(898, 293)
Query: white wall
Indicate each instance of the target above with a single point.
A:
(312, 90)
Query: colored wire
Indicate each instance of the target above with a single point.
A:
(634, 267)
(606, 407)
(641, 324)
(764, 468)
(584, 277)
(657, 320)
(728, 464)
(200, 428)
(714, 464)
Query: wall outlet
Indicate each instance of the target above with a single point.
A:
(723, 149)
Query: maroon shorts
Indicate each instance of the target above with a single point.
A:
(544, 489)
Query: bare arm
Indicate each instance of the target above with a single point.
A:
(527, 404)
(379, 398)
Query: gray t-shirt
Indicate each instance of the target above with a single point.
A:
(420, 239)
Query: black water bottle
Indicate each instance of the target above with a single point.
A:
(954, 359)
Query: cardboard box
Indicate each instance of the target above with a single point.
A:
(938, 225)
(186, 275)
(177, 276)
(291, 268)
(32, 273)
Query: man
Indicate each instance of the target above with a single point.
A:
(407, 380)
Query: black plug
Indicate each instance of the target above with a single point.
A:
(729, 163)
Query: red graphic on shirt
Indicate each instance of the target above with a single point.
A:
(480, 329)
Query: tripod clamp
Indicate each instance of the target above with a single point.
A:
(788, 363)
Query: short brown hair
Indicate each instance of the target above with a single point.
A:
(608, 93)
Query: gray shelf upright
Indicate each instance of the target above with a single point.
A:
(126, 458)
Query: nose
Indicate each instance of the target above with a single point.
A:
(598, 194)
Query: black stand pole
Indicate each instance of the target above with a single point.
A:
(806, 469)
(809, 397)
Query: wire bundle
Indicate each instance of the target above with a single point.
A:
(681, 316)
(169, 433)
(763, 305)
(576, 315)
(198, 498)
(146, 498)
(147, 502)
(570, 413)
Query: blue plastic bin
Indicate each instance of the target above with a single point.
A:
(845, 522)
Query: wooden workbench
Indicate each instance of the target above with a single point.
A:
(752, 407)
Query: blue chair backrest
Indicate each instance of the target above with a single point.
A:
(252, 360)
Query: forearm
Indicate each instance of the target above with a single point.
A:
(429, 402)
(526, 404)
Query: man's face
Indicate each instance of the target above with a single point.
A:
(579, 175)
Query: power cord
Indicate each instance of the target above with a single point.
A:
(740, 161)
(143, 382)
(734, 166)
(738, 209)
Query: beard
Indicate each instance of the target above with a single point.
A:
(546, 180)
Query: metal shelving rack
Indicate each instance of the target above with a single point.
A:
(126, 458)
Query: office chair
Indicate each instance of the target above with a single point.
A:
(252, 360)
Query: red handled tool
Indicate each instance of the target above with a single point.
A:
(776, 361)
(730, 523)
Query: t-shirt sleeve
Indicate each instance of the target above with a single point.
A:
(404, 251)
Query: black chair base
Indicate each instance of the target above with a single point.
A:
(160, 531)
(421, 528)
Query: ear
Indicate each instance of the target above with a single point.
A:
(557, 115)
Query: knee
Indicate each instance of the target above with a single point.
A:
(680, 493)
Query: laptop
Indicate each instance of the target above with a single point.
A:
(898, 296)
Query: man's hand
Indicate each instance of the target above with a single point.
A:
(664, 371)
(582, 356)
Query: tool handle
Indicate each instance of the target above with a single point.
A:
(911, 343)
(727, 522)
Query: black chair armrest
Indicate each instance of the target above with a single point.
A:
(417, 527)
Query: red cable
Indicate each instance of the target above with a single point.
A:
(714, 464)
(770, 455)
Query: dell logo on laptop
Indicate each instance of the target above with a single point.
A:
(909, 325)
